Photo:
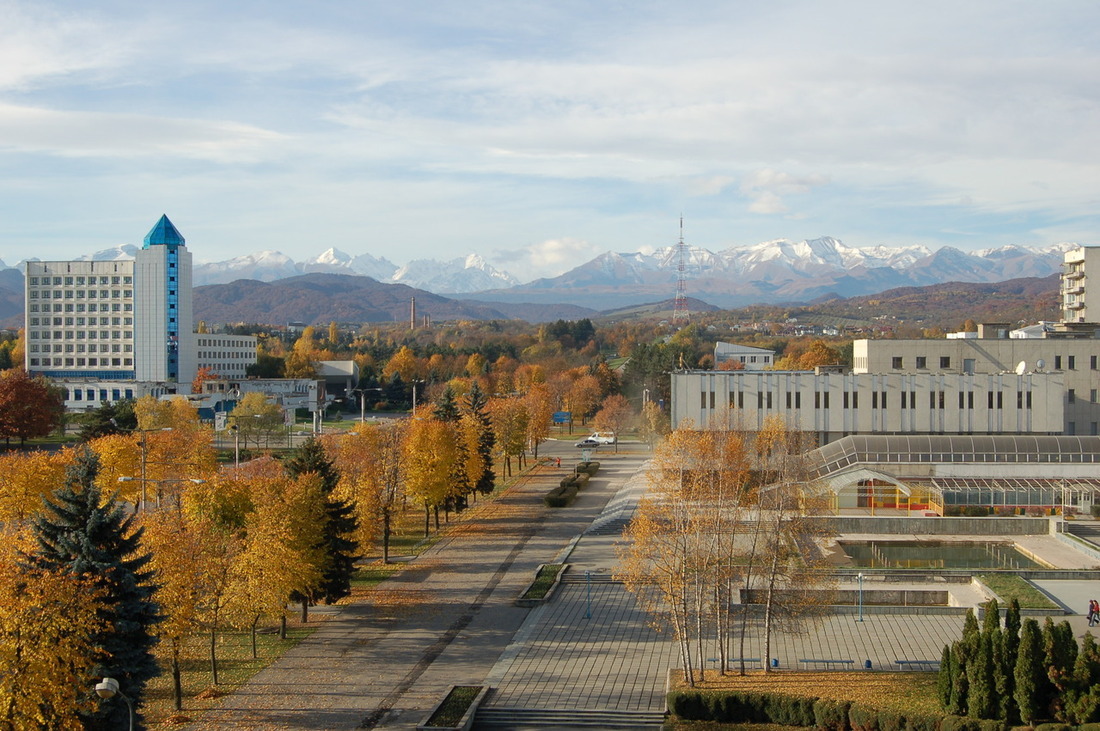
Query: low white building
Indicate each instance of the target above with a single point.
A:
(748, 358)
(833, 404)
(228, 356)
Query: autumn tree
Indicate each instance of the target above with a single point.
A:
(614, 416)
(48, 619)
(431, 456)
(28, 478)
(256, 420)
(84, 534)
(29, 407)
(404, 363)
(509, 419)
(299, 361)
(372, 467)
(202, 375)
(653, 423)
(540, 410)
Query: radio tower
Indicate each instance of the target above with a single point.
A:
(680, 308)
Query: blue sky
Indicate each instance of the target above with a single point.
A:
(540, 134)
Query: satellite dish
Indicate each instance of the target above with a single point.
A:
(1021, 368)
(1040, 364)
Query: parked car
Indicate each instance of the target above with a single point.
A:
(588, 442)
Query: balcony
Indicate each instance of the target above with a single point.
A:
(1074, 289)
(1073, 274)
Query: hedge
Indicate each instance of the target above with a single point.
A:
(823, 714)
(589, 468)
(560, 496)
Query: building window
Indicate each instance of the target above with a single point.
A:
(1071, 362)
(1057, 362)
(1071, 395)
(945, 361)
(922, 361)
(1092, 362)
(896, 362)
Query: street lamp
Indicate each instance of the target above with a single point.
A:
(108, 689)
(144, 480)
(144, 456)
(363, 400)
(860, 577)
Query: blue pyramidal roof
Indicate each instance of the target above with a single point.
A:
(164, 234)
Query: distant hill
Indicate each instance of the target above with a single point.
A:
(322, 298)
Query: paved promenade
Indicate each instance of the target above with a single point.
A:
(448, 618)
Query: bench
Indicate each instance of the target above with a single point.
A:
(828, 664)
(919, 664)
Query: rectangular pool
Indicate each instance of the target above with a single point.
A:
(936, 555)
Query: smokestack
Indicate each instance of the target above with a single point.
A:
(412, 313)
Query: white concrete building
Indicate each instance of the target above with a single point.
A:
(748, 358)
(832, 405)
(228, 356)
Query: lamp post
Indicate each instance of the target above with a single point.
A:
(236, 446)
(144, 480)
(860, 577)
(108, 688)
(414, 396)
(363, 400)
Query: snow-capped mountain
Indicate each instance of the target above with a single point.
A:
(771, 271)
(457, 276)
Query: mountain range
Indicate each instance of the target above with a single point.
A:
(779, 271)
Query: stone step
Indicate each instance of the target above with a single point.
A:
(546, 718)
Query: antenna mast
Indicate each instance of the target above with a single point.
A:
(680, 308)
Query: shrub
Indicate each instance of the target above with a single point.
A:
(922, 723)
(976, 511)
(566, 481)
(580, 480)
(959, 723)
(589, 468)
(1095, 509)
(831, 715)
(560, 497)
(862, 718)
(1053, 727)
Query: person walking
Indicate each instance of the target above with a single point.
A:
(559, 462)
(1094, 612)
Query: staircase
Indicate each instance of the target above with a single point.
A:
(548, 718)
(1085, 531)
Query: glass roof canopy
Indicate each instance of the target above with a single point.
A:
(885, 450)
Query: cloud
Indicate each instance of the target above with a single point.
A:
(97, 134)
(765, 188)
(547, 258)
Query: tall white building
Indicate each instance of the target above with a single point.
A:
(114, 320)
(123, 321)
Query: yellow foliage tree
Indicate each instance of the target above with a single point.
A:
(47, 620)
(404, 363)
(29, 477)
(431, 454)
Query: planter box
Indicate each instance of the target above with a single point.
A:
(521, 601)
(467, 719)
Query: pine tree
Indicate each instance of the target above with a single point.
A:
(979, 700)
(1000, 684)
(477, 405)
(960, 688)
(1029, 675)
(446, 408)
(1082, 704)
(945, 680)
(1060, 655)
(80, 533)
(1011, 641)
(992, 618)
(339, 544)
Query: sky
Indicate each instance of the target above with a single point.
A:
(542, 134)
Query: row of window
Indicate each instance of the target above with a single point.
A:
(1069, 361)
(219, 355)
(81, 347)
(81, 335)
(81, 307)
(82, 294)
(80, 321)
(80, 281)
(936, 399)
(217, 343)
(89, 394)
(99, 362)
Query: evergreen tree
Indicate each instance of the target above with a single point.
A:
(477, 404)
(992, 618)
(999, 708)
(80, 533)
(1029, 676)
(945, 680)
(1011, 641)
(340, 524)
(1059, 657)
(116, 418)
(979, 699)
(971, 633)
(446, 408)
(1082, 703)
(961, 686)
